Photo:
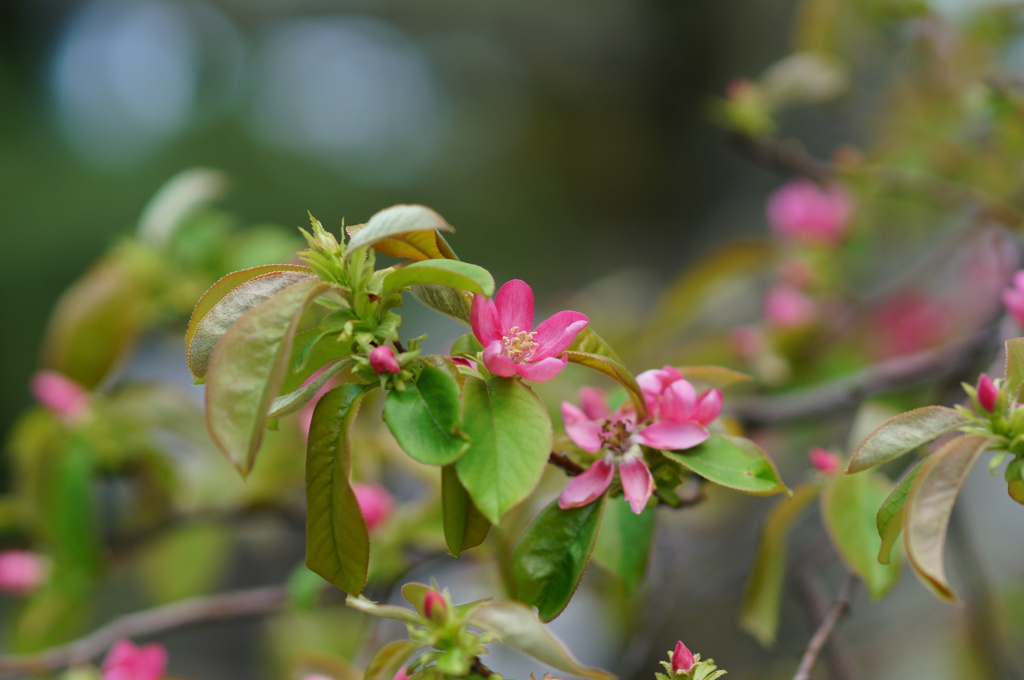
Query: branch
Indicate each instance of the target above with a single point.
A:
(194, 611)
(846, 393)
(839, 607)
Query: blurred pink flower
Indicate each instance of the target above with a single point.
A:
(910, 322)
(503, 326)
(317, 676)
(21, 571)
(375, 503)
(802, 211)
(125, 661)
(65, 398)
(786, 306)
(382, 360)
(1013, 298)
(682, 659)
(401, 674)
(823, 460)
(988, 394)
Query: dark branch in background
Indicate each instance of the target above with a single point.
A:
(846, 393)
(821, 636)
(146, 623)
(785, 157)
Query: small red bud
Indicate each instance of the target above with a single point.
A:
(401, 674)
(434, 605)
(682, 659)
(987, 393)
(382, 360)
(823, 460)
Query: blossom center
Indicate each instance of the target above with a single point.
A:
(616, 435)
(519, 345)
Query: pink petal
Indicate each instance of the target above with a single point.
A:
(374, 502)
(587, 487)
(679, 401)
(708, 406)
(21, 571)
(1018, 280)
(514, 303)
(594, 403)
(682, 659)
(583, 431)
(483, 317)
(823, 460)
(65, 398)
(497, 363)
(637, 482)
(671, 436)
(554, 335)
(542, 370)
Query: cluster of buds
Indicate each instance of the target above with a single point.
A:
(455, 649)
(683, 663)
(998, 415)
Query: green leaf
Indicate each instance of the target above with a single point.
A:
(904, 433)
(515, 625)
(337, 541)
(589, 342)
(186, 561)
(293, 401)
(849, 505)
(510, 440)
(707, 377)
(425, 417)
(212, 318)
(733, 462)
(406, 231)
(615, 371)
(451, 273)
(68, 509)
(552, 554)
(889, 520)
(930, 505)
(449, 301)
(1014, 367)
(390, 658)
(383, 611)
(248, 368)
(464, 526)
(416, 594)
(624, 542)
(759, 613)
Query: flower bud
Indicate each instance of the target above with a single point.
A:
(374, 502)
(787, 306)
(682, 659)
(824, 461)
(434, 606)
(382, 360)
(62, 396)
(125, 661)
(21, 571)
(401, 674)
(987, 393)
(801, 211)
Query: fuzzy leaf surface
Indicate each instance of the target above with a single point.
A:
(904, 433)
(733, 462)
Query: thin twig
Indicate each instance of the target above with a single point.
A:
(191, 612)
(839, 607)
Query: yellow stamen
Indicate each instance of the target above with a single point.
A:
(519, 345)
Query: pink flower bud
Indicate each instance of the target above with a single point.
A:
(786, 306)
(434, 606)
(382, 360)
(401, 674)
(987, 393)
(125, 661)
(682, 659)
(21, 571)
(824, 461)
(374, 502)
(65, 398)
(801, 211)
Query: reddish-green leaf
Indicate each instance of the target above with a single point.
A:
(515, 625)
(849, 505)
(615, 371)
(733, 462)
(223, 304)
(904, 433)
(337, 540)
(552, 554)
(889, 520)
(759, 613)
(248, 368)
(464, 526)
(930, 505)
(405, 231)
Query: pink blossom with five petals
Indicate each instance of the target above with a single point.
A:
(504, 326)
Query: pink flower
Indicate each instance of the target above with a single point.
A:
(677, 420)
(786, 306)
(682, 659)
(503, 326)
(125, 661)
(824, 461)
(1013, 298)
(801, 211)
(21, 571)
(65, 398)
(988, 394)
(382, 360)
(374, 502)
